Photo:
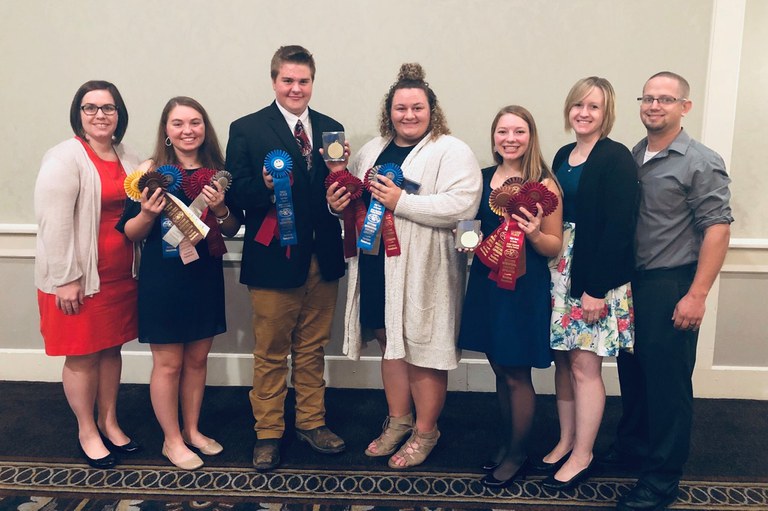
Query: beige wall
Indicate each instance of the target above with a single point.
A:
(479, 55)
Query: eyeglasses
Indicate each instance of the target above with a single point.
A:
(91, 109)
(663, 100)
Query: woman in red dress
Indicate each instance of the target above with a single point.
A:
(84, 266)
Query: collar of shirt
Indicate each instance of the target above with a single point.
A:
(292, 119)
(679, 145)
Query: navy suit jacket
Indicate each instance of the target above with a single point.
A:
(250, 139)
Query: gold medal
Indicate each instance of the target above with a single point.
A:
(336, 150)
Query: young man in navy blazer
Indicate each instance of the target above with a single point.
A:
(293, 288)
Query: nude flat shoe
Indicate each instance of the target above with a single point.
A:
(192, 463)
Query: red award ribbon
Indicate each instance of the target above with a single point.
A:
(512, 262)
(353, 215)
(389, 235)
(489, 250)
(503, 252)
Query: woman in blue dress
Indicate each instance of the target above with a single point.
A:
(512, 326)
(181, 291)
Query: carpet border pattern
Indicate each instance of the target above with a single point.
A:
(371, 487)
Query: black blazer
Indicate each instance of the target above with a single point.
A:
(606, 214)
(250, 139)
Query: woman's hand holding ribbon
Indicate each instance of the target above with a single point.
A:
(152, 205)
(530, 225)
(69, 297)
(213, 195)
(338, 197)
(386, 192)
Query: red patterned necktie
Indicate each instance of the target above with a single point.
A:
(303, 140)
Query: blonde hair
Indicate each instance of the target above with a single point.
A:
(411, 76)
(581, 89)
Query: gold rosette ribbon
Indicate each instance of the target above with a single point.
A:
(131, 185)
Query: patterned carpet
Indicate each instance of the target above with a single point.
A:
(41, 469)
(26, 486)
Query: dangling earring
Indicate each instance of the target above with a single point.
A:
(168, 141)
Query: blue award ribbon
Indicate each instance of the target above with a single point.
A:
(165, 226)
(279, 164)
(173, 177)
(376, 210)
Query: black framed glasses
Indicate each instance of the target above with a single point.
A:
(663, 100)
(91, 109)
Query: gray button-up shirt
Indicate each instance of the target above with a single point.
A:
(683, 190)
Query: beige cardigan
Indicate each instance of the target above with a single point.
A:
(425, 284)
(68, 210)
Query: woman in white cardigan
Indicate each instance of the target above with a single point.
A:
(83, 266)
(411, 303)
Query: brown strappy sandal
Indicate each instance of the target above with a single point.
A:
(393, 431)
(416, 449)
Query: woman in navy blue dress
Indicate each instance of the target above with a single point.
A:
(512, 326)
(181, 291)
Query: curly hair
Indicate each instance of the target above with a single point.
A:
(411, 76)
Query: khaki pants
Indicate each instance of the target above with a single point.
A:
(295, 321)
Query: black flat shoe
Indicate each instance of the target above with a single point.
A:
(551, 483)
(540, 465)
(491, 482)
(490, 466)
(129, 448)
(107, 461)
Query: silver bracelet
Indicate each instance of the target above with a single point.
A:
(220, 220)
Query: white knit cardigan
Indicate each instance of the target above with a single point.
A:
(68, 210)
(425, 284)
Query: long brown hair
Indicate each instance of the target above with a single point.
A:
(209, 151)
(533, 167)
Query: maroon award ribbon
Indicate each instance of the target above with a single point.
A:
(503, 252)
(353, 215)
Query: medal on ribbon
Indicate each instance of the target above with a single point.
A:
(378, 215)
(353, 215)
(278, 164)
(503, 252)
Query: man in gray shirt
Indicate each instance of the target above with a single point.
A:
(682, 236)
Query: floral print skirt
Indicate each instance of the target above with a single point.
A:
(615, 329)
